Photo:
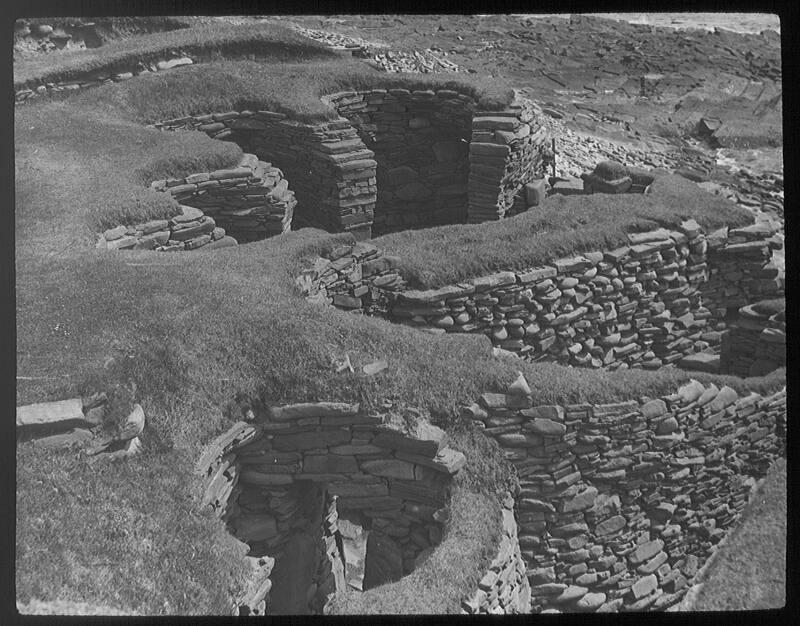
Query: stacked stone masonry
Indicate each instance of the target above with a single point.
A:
(265, 480)
(190, 230)
(642, 305)
(332, 172)
(755, 344)
(353, 277)
(741, 269)
(504, 588)
(420, 158)
(421, 143)
(251, 201)
(620, 504)
(507, 152)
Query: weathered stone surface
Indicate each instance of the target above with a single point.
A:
(571, 594)
(645, 551)
(580, 502)
(546, 427)
(55, 416)
(644, 586)
(312, 409)
(590, 602)
(611, 525)
(548, 412)
(726, 397)
(446, 460)
(427, 440)
(390, 468)
(329, 464)
(313, 439)
(653, 408)
(519, 387)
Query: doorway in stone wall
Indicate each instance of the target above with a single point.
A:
(421, 145)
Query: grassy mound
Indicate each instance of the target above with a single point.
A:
(563, 226)
(291, 87)
(204, 40)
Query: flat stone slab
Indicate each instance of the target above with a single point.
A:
(58, 416)
(701, 362)
(312, 409)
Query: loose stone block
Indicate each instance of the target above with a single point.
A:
(312, 409)
(61, 415)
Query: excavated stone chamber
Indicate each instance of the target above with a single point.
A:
(395, 159)
(282, 484)
(421, 146)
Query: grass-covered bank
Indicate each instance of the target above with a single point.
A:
(563, 226)
(130, 537)
(206, 39)
(293, 87)
(749, 572)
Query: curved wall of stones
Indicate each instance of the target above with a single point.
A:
(440, 160)
(620, 504)
(221, 208)
(269, 481)
(251, 201)
(755, 343)
(330, 170)
(643, 305)
(421, 145)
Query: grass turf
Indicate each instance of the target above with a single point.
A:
(563, 226)
(195, 331)
(293, 87)
(204, 40)
(749, 572)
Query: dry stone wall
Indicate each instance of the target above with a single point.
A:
(424, 158)
(331, 171)
(504, 588)
(354, 277)
(251, 201)
(507, 151)
(755, 344)
(741, 267)
(218, 209)
(620, 504)
(641, 305)
(421, 143)
(265, 478)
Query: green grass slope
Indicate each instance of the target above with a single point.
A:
(749, 572)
